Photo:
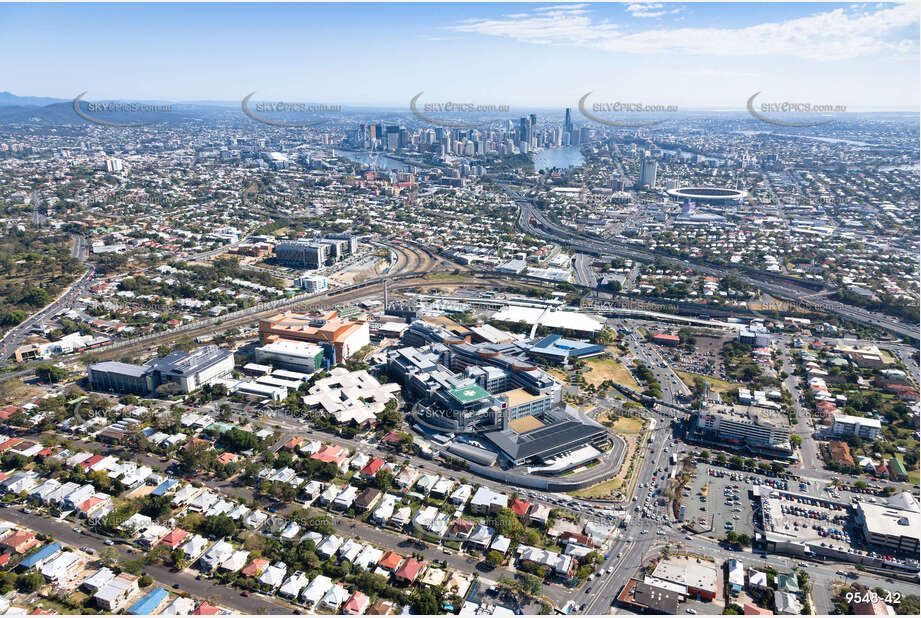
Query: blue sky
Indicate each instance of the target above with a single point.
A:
(524, 55)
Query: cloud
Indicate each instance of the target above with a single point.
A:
(648, 9)
(838, 34)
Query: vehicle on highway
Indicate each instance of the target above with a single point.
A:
(109, 543)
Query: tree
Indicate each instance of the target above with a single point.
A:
(109, 555)
(796, 440)
(383, 479)
(29, 582)
(145, 581)
(50, 373)
(426, 600)
(494, 557)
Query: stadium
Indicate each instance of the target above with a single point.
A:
(708, 195)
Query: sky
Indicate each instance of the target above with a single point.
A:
(691, 55)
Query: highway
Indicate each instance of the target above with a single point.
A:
(545, 228)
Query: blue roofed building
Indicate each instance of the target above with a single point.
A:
(555, 348)
(165, 487)
(41, 556)
(150, 603)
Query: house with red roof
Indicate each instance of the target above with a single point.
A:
(8, 411)
(226, 458)
(409, 571)
(332, 453)
(205, 610)
(750, 609)
(174, 539)
(91, 504)
(9, 444)
(390, 561)
(372, 467)
(519, 507)
(92, 461)
(256, 567)
(294, 442)
(20, 541)
(356, 604)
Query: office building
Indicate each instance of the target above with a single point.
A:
(302, 253)
(648, 168)
(746, 425)
(189, 370)
(311, 283)
(292, 355)
(339, 337)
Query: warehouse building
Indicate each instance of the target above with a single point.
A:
(121, 378)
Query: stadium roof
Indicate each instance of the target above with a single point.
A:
(549, 440)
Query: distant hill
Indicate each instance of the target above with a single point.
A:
(8, 99)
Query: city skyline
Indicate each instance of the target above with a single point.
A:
(690, 55)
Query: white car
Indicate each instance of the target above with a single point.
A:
(644, 531)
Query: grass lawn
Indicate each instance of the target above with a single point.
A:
(601, 490)
(720, 386)
(601, 369)
(623, 424)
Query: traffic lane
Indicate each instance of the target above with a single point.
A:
(203, 588)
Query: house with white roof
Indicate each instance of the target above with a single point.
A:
(316, 590)
(293, 585)
(274, 575)
(329, 546)
(218, 554)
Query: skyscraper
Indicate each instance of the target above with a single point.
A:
(648, 168)
(567, 123)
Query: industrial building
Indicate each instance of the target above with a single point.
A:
(188, 370)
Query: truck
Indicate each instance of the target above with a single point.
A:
(626, 522)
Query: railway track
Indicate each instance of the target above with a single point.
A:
(335, 297)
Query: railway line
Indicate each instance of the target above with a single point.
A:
(364, 289)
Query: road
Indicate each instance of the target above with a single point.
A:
(203, 589)
(15, 336)
(582, 264)
(545, 228)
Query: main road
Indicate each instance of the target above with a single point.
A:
(545, 228)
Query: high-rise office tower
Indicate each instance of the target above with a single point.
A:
(648, 168)
(567, 123)
(524, 130)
